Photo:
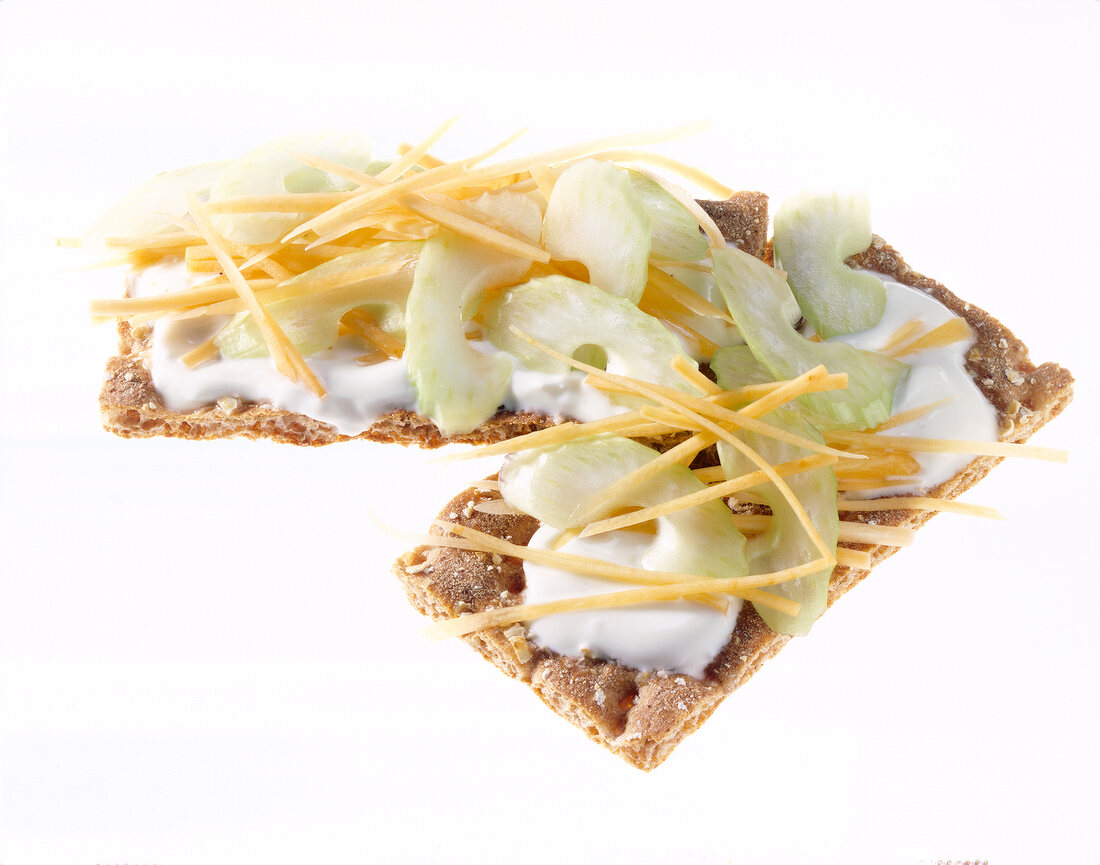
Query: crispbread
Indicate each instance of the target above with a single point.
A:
(643, 716)
(131, 406)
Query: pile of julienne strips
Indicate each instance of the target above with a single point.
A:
(726, 446)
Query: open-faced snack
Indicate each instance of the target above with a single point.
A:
(638, 679)
(356, 306)
(738, 429)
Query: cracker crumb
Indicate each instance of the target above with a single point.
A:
(681, 706)
(517, 637)
(1014, 377)
(601, 697)
(227, 405)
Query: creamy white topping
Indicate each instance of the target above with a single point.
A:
(934, 375)
(676, 636)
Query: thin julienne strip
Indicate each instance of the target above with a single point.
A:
(744, 587)
(287, 359)
(719, 490)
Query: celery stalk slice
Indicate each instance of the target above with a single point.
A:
(756, 295)
(814, 234)
(594, 216)
(786, 544)
(675, 232)
(570, 316)
(271, 170)
(311, 320)
(457, 386)
(550, 482)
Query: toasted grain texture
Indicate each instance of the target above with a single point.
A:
(642, 716)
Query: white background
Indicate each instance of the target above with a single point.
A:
(203, 656)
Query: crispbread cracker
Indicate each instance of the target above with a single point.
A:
(643, 716)
(131, 406)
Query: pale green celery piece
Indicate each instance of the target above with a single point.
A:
(157, 206)
(271, 170)
(594, 216)
(814, 234)
(458, 387)
(786, 544)
(549, 483)
(676, 234)
(311, 321)
(736, 366)
(756, 295)
(717, 330)
(567, 315)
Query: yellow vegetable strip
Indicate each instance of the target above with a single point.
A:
(878, 468)
(573, 152)
(691, 374)
(451, 217)
(714, 491)
(919, 503)
(787, 391)
(912, 414)
(374, 198)
(558, 434)
(902, 335)
(413, 155)
(425, 161)
(849, 532)
(943, 446)
(671, 320)
(336, 168)
(739, 586)
(853, 558)
(682, 401)
(153, 241)
(568, 561)
(286, 202)
(601, 502)
(952, 330)
(671, 287)
(368, 329)
(200, 354)
(287, 359)
(688, 172)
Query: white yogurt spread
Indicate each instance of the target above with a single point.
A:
(934, 375)
(676, 636)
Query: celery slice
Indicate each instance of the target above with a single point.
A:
(311, 321)
(457, 386)
(756, 295)
(675, 232)
(786, 544)
(550, 482)
(814, 234)
(271, 170)
(594, 216)
(158, 205)
(567, 315)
